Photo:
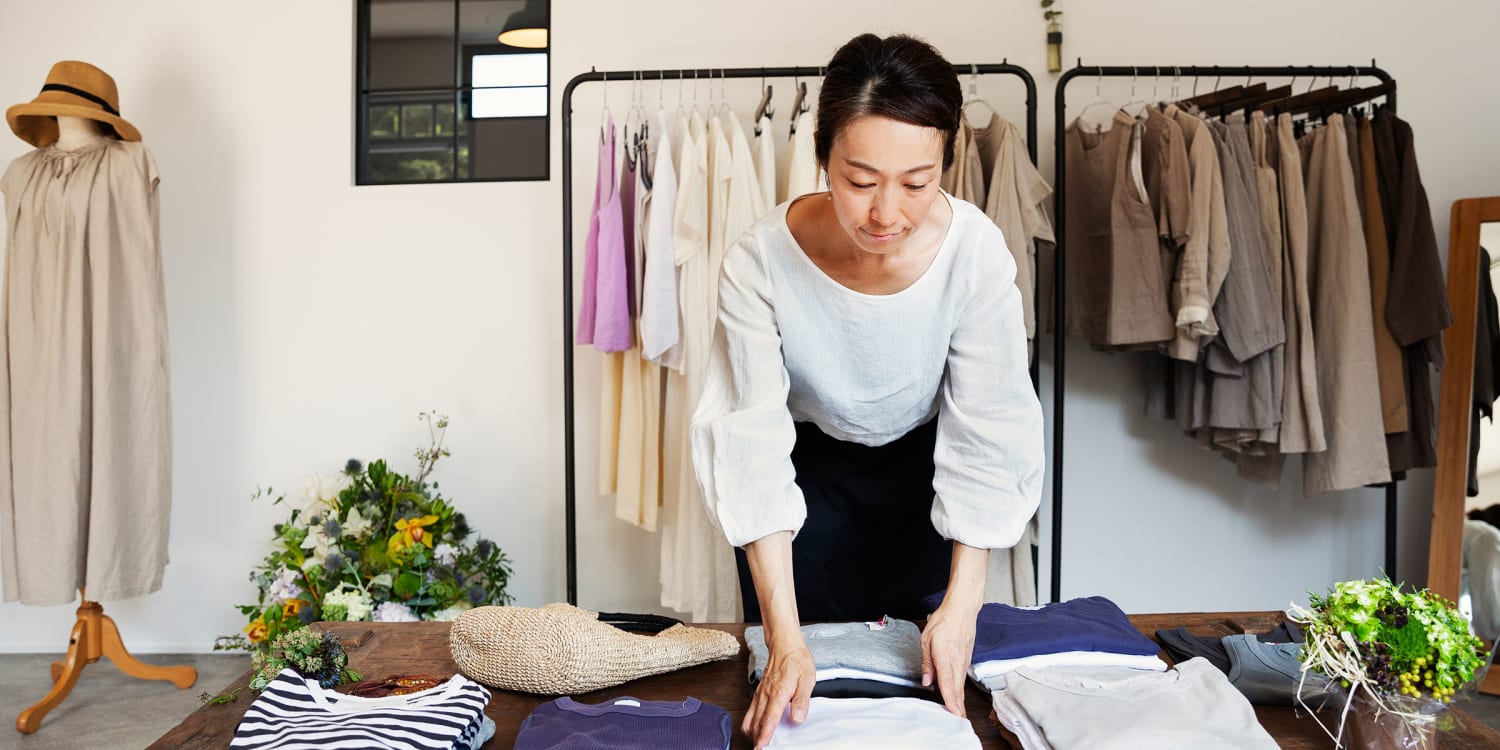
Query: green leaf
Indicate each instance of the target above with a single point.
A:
(407, 584)
(1048, 3)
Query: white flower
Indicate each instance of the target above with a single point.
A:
(394, 612)
(356, 525)
(449, 614)
(445, 553)
(322, 491)
(284, 586)
(320, 543)
(357, 604)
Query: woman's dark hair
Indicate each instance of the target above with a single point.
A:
(900, 77)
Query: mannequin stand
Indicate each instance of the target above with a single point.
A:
(95, 635)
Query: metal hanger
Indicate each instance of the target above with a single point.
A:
(763, 109)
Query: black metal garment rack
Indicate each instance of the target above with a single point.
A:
(1058, 335)
(696, 74)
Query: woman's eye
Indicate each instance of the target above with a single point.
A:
(861, 185)
(915, 188)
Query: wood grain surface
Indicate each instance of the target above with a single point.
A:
(405, 648)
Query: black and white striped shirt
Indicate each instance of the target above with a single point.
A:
(293, 713)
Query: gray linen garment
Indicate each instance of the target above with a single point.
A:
(1342, 327)
(1301, 405)
(85, 497)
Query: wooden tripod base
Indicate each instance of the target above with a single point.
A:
(95, 635)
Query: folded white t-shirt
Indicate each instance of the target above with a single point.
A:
(983, 671)
(886, 723)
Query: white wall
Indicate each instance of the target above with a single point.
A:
(311, 320)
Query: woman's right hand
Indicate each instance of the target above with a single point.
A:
(787, 681)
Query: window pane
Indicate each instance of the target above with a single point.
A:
(385, 122)
(508, 149)
(411, 44)
(442, 120)
(510, 70)
(421, 165)
(416, 121)
(523, 102)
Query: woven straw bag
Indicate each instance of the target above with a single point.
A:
(562, 650)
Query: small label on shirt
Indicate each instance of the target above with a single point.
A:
(634, 704)
(880, 624)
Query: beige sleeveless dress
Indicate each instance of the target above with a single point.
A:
(85, 439)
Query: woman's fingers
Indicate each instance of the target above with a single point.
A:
(773, 700)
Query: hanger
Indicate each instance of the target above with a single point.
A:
(1311, 96)
(763, 109)
(724, 109)
(799, 103)
(1213, 97)
(973, 97)
(1134, 100)
(1253, 97)
(1098, 98)
(696, 111)
(604, 115)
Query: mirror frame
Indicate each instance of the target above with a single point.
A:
(1455, 402)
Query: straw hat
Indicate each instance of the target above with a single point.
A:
(73, 89)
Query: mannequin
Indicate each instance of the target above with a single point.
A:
(78, 134)
(85, 413)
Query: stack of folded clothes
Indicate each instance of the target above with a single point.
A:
(1088, 632)
(868, 693)
(1046, 667)
(1265, 667)
(856, 659)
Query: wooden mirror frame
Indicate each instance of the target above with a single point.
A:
(1456, 399)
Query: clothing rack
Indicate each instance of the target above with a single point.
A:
(697, 75)
(1059, 336)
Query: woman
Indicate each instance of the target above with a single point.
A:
(867, 419)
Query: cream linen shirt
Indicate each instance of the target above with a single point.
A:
(792, 344)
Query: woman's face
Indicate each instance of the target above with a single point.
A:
(883, 178)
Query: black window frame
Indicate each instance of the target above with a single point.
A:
(459, 94)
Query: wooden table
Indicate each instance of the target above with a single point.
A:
(379, 649)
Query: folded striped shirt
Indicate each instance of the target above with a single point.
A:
(294, 713)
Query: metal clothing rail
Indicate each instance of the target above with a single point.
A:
(1060, 181)
(698, 75)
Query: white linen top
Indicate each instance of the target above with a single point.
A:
(794, 344)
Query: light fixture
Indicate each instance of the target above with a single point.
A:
(527, 27)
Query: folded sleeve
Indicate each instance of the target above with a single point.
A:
(742, 432)
(989, 456)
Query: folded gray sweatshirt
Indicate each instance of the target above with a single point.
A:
(888, 651)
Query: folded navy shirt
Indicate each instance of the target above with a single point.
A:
(625, 724)
(1092, 623)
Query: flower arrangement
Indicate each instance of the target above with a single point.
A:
(1405, 654)
(371, 544)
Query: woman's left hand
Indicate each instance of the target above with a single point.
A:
(947, 647)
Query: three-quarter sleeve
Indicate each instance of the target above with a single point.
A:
(989, 456)
(742, 432)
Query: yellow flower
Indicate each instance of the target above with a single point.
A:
(410, 533)
(290, 608)
(256, 631)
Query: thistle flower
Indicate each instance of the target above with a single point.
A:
(484, 547)
(353, 466)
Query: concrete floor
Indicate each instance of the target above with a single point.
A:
(110, 711)
(106, 710)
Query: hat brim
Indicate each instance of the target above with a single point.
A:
(34, 122)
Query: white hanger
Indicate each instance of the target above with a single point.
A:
(973, 97)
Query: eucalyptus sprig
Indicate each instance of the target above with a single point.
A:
(1049, 10)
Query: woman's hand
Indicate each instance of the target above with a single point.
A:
(947, 647)
(787, 681)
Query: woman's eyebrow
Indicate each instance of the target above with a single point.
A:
(868, 168)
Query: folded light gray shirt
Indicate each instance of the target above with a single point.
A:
(886, 651)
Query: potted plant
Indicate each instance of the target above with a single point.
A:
(1400, 658)
(371, 544)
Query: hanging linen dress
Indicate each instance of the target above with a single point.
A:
(86, 433)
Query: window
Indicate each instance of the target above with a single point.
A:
(441, 96)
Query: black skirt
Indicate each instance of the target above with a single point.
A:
(867, 547)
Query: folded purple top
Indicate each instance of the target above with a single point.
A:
(1092, 623)
(625, 724)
